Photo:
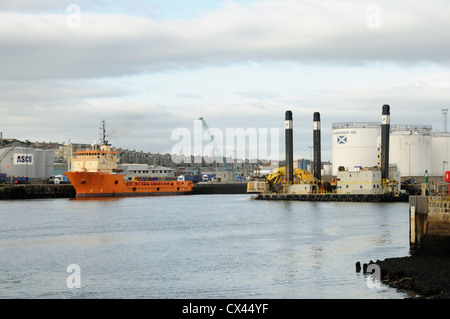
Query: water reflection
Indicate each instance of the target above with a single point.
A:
(97, 199)
(208, 246)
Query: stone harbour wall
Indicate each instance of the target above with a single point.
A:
(430, 225)
(438, 216)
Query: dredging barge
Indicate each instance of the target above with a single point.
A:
(358, 184)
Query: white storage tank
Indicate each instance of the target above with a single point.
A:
(440, 148)
(410, 148)
(354, 144)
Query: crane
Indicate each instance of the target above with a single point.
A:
(212, 140)
(275, 178)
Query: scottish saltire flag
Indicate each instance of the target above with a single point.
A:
(342, 139)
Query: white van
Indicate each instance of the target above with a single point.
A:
(58, 179)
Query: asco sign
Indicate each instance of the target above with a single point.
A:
(23, 159)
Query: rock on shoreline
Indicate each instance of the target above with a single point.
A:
(425, 276)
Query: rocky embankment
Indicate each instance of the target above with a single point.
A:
(421, 276)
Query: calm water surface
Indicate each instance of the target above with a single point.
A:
(202, 246)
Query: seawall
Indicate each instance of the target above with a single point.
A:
(33, 191)
(220, 188)
(430, 225)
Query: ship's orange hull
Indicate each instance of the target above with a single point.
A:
(94, 184)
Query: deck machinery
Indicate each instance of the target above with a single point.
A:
(379, 183)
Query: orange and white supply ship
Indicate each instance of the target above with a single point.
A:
(95, 173)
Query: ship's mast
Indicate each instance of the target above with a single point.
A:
(103, 134)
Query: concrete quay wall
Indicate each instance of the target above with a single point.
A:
(33, 191)
(430, 225)
(219, 188)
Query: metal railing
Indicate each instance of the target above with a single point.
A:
(344, 125)
(438, 189)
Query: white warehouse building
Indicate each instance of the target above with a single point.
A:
(412, 148)
(26, 162)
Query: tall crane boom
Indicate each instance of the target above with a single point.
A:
(212, 140)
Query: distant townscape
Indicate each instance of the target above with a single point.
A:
(41, 160)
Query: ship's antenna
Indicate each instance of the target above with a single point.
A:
(103, 133)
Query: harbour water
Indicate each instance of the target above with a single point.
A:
(202, 246)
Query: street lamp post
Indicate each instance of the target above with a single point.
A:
(443, 170)
(409, 158)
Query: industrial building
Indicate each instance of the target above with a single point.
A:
(414, 149)
(26, 162)
(363, 182)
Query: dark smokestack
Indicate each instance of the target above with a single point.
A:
(385, 128)
(289, 148)
(317, 151)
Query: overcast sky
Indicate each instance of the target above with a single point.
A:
(149, 67)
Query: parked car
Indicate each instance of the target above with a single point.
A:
(59, 179)
(409, 181)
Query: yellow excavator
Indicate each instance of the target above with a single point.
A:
(276, 178)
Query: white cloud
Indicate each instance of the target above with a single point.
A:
(310, 31)
(242, 65)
